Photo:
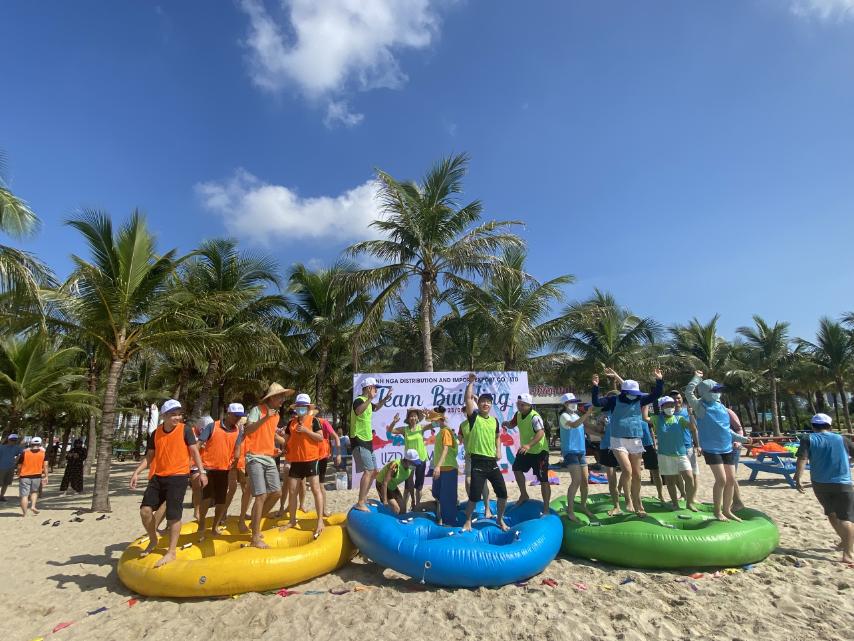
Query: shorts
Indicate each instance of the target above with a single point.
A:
(650, 457)
(714, 458)
(390, 494)
(304, 469)
(416, 479)
(607, 458)
(837, 500)
(483, 469)
(691, 453)
(538, 463)
(628, 445)
(217, 487)
(7, 476)
(592, 448)
(263, 477)
(673, 465)
(574, 458)
(467, 467)
(364, 459)
(29, 485)
(169, 490)
(322, 464)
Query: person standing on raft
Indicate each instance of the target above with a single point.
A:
(260, 438)
(304, 440)
(413, 439)
(829, 457)
(533, 452)
(715, 437)
(362, 438)
(573, 451)
(445, 470)
(219, 441)
(169, 451)
(626, 425)
(483, 445)
(673, 460)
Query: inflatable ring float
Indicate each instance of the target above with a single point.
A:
(225, 564)
(666, 538)
(414, 545)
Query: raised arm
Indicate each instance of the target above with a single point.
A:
(471, 401)
(691, 396)
(391, 426)
(578, 421)
(606, 403)
(657, 391)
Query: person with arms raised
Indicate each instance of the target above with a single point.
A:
(362, 438)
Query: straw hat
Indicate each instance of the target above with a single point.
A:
(417, 410)
(274, 389)
(434, 416)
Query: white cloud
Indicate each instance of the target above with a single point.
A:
(338, 113)
(328, 48)
(263, 213)
(824, 9)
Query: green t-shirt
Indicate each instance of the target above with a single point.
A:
(481, 435)
(414, 440)
(528, 429)
(399, 472)
(360, 424)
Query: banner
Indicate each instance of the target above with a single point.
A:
(426, 390)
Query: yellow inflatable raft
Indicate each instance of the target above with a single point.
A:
(225, 565)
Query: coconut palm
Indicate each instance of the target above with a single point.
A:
(428, 237)
(514, 308)
(770, 348)
(698, 346)
(118, 299)
(833, 352)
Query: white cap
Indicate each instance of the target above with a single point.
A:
(631, 387)
(526, 398)
(369, 382)
(13, 436)
(36, 440)
(302, 399)
(170, 405)
(203, 421)
(569, 397)
(236, 408)
(664, 400)
(412, 456)
(821, 419)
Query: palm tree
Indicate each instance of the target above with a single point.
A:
(325, 310)
(601, 333)
(701, 346)
(770, 347)
(833, 352)
(513, 307)
(228, 287)
(38, 374)
(428, 237)
(118, 300)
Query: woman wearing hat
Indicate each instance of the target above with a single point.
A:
(413, 439)
(573, 451)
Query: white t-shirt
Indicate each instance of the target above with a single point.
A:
(566, 418)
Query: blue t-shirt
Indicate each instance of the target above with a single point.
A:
(669, 430)
(687, 436)
(9, 454)
(571, 438)
(646, 438)
(828, 455)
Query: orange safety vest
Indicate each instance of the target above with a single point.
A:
(262, 441)
(301, 447)
(218, 451)
(170, 452)
(33, 463)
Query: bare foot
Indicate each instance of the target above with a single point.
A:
(847, 559)
(641, 514)
(571, 516)
(241, 527)
(521, 501)
(259, 543)
(319, 528)
(732, 517)
(167, 558)
(34, 510)
(279, 513)
(674, 506)
(692, 507)
(217, 529)
(504, 527)
(721, 517)
(614, 511)
(327, 513)
(488, 515)
(361, 507)
(466, 526)
(288, 526)
(546, 510)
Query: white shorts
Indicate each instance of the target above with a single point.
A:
(691, 453)
(628, 445)
(670, 465)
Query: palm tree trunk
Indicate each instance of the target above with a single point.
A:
(820, 401)
(92, 439)
(775, 406)
(845, 411)
(836, 407)
(320, 376)
(426, 326)
(222, 402)
(203, 400)
(101, 495)
(181, 384)
(809, 396)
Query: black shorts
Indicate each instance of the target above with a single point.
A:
(321, 468)
(837, 499)
(718, 459)
(217, 487)
(607, 458)
(591, 448)
(415, 481)
(483, 469)
(390, 494)
(539, 463)
(169, 490)
(304, 469)
(650, 457)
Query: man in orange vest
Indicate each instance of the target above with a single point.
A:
(32, 473)
(219, 441)
(304, 439)
(260, 438)
(167, 453)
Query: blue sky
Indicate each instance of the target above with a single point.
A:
(692, 158)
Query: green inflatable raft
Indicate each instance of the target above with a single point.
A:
(666, 538)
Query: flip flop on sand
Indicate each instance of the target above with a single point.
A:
(56, 524)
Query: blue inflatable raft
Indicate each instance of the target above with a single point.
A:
(414, 545)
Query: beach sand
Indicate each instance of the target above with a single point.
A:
(57, 575)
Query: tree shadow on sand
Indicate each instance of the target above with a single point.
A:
(92, 581)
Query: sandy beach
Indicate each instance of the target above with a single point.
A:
(57, 575)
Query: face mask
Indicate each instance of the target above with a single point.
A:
(572, 407)
(434, 424)
(669, 411)
(712, 397)
(302, 411)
